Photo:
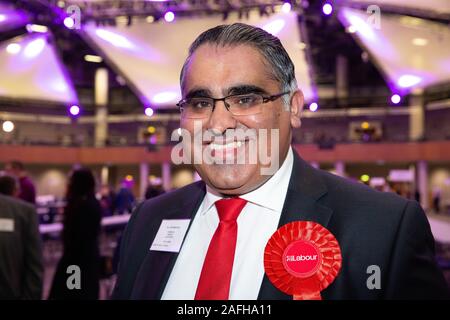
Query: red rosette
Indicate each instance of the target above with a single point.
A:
(301, 259)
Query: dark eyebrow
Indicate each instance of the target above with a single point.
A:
(198, 93)
(245, 89)
(235, 90)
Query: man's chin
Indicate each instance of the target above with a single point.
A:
(233, 184)
(226, 186)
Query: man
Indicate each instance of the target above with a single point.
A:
(27, 190)
(21, 267)
(240, 77)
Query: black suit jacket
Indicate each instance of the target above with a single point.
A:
(21, 265)
(372, 228)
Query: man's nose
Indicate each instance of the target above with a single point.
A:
(221, 119)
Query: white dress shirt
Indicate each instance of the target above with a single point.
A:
(256, 223)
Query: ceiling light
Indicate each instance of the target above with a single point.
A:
(13, 48)
(419, 42)
(36, 28)
(93, 58)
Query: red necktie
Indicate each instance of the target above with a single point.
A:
(214, 283)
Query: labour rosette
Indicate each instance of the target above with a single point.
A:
(301, 259)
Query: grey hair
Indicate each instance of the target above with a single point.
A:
(269, 46)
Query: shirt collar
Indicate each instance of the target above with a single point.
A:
(270, 195)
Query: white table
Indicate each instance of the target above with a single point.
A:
(106, 222)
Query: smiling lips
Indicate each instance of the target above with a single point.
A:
(223, 149)
(226, 146)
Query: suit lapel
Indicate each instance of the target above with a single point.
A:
(157, 266)
(301, 204)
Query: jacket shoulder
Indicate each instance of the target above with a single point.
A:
(18, 206)
(172, 200)
(147, 217)
(353, 196)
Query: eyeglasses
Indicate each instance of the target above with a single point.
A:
(238, 105)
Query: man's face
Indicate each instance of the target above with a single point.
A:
(216, 71)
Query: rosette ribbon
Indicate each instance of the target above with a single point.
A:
(301, 259)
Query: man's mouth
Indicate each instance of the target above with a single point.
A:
(229, 149)
(226, 146)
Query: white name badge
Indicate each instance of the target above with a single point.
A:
(170, 235)
(6, 225)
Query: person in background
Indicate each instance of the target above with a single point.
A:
(21, 267)
(437, 199)
(27, 190)
(106, 197)
(82, 218)
(153, 191)
(8, 186)
(124, 199)
(417, 195)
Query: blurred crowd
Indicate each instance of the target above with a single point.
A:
(21, 257)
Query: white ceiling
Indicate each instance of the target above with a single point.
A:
(30, 69)
(150, 55)
(410, 52)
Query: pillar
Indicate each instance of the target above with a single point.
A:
(166, 176)
(422, 183)
(104, 175)
(143, 178)
(417, 116)
(339, 168)
(341, 77)
(101, 102)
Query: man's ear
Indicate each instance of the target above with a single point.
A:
(297, 102)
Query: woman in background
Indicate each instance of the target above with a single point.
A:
(82, 218)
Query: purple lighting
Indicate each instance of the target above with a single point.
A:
(148, 111)
(34, 48)
(165, 97)
(13, 48)
(286, 7)
(74, 110)
(58, 85)
(274, 27)
(313, 107)
(169, 16)
(408, 80)
(395, 98)
(115, 39)
(69, 22)
(33, 62)
(11, 18)
(359, 25)
(327, 9)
